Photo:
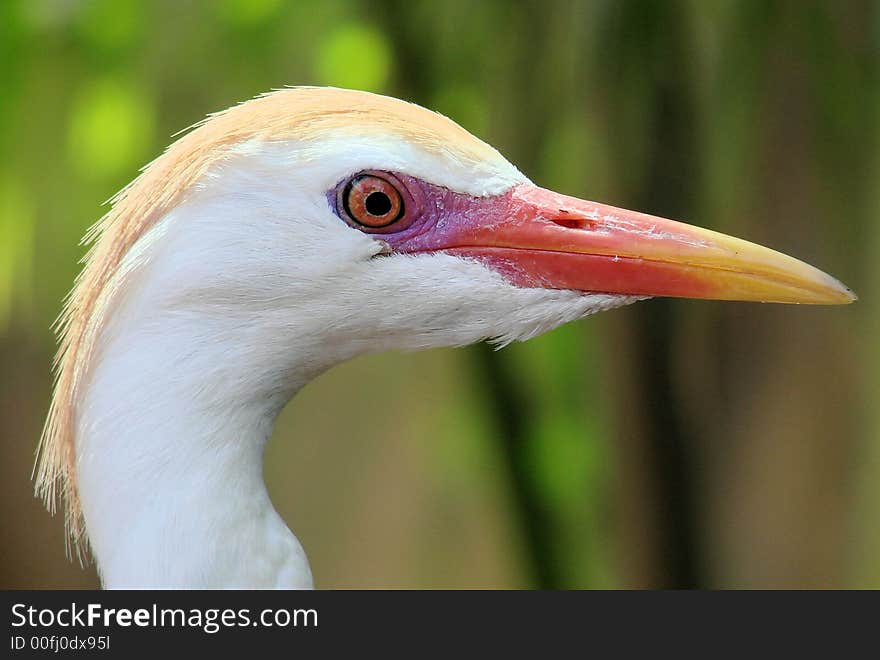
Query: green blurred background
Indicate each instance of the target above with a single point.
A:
(668, 444)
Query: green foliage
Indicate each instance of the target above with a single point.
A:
(16, 248)
(247, 12)
(354, 56)
(111, 129)
(111, 26)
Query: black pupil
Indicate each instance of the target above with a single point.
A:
(377, 203)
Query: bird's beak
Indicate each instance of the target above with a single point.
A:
(550, 240)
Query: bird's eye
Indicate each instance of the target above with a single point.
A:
(372, 201)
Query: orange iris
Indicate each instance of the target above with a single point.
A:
(372, 201)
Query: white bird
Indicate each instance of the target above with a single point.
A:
(282, 237)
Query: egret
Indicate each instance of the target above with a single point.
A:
(279, 238)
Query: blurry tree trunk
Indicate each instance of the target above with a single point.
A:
(647, 35)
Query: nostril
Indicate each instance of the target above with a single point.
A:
(566, 218)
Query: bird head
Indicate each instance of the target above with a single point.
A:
(389, 226)
(310, 225)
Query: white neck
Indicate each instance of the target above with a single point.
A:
(169, 458)
(175, 497)
(174, 502)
